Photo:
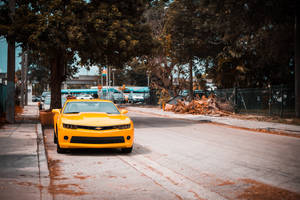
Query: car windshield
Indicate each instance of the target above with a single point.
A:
(77, 107)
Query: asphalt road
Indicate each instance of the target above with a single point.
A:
(180, 159)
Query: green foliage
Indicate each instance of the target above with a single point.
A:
(247, 43)
(258, 39)
(98, 32)
(115, 32)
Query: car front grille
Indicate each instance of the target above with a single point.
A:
(103, 128)
(97, 140)
(97, 128)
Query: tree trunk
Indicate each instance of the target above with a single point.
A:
(10, 101)
(56, 80)
(11, 64)
(191, 80)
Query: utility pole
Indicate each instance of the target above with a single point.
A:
(101, 77)
(22, 80)
(108, 73)
(191, 95)
(297, 65)
(148, 72)
(106, 76)
(113, 71)
(10, 102)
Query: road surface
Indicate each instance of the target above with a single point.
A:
(180, 159)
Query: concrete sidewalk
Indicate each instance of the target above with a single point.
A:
(240, 123)
(24, 170)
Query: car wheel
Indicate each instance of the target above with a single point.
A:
(127, 150)
(54, 136)
(58, 148)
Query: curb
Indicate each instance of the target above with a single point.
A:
(44, 174)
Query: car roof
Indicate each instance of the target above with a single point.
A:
(92, 100)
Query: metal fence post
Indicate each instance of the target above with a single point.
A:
(281, 105)
(235, 99)
(270, 98)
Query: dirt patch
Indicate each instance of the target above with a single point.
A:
(258, 191)
(275, 119)
(226, 183)
(54, 168)
(56, 173)
(196, 195)
(82, 177)
(18, 110)
(30, 184)
(67, 189)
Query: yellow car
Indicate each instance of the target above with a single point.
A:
(92, 124)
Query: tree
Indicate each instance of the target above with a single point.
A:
(98, 32)
(8, 13)
(258, 41)
(161, 66)
(191, 37)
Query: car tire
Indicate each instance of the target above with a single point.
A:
(127, 150)
(54, 137)
(59, 149)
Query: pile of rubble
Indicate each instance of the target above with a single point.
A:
(203, 106)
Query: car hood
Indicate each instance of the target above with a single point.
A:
(95, 119)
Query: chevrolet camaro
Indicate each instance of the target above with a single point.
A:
(92, 124)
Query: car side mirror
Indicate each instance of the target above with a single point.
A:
(124, 111)
(56, 111)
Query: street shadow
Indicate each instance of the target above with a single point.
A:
(159, 122)
(137, 150)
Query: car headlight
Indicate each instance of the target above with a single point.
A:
(126, 126)
(70, 126)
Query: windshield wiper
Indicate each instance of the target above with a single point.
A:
(72, 112)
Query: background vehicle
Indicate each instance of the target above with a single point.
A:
(118, 97)
(107, 93)
(140, 95)
(84, 96)
(126, 94)
(36, 98)
(135, 97)
(78, 92)
(46, 104)
(44, 94)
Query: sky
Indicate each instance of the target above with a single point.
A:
(94, 70)
(3, 61)
(3, 56)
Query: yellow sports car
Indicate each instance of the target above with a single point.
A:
(92, 124)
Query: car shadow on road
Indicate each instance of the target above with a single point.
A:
(159, 122)
(137, 150)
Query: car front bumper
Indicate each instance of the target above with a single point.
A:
(81, 138)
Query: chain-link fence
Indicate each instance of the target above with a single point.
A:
(275, 100)
(272, 101)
